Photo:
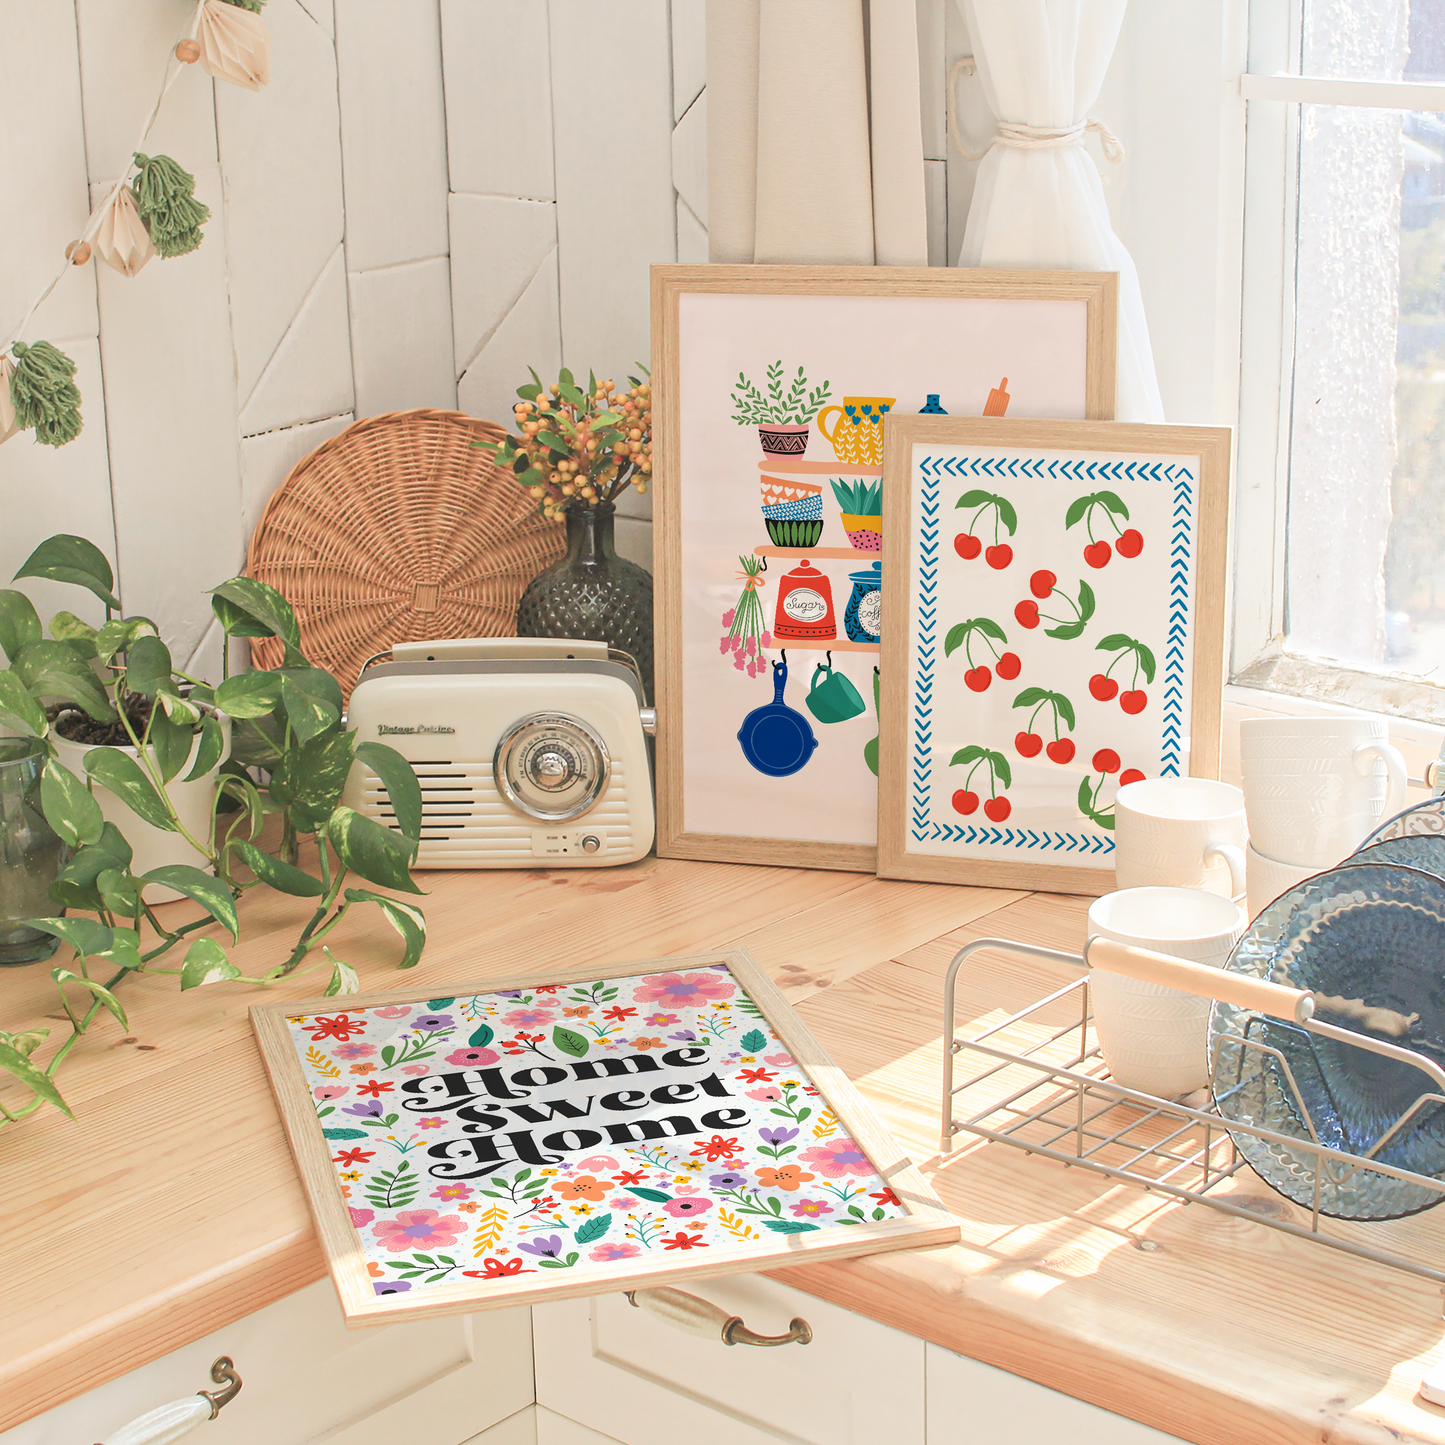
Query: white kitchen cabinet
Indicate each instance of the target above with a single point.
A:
(970, 1403)
(306, 1376)
(625, 1373)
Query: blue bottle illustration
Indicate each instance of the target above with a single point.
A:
(933, 406)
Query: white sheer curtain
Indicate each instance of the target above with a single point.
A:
(815, 142)
(1038, 201)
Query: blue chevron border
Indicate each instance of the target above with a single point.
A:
(1171, 738)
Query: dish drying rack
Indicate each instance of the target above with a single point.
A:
(1054, 1097)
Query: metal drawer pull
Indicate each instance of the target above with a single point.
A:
(698, 1317)
(180, 1417)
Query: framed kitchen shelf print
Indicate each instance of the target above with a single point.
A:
(1059, 593)
(541, 1138)
(773, 386)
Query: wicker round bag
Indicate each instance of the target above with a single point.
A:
(398, 529)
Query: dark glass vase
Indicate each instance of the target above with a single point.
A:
(592, 593)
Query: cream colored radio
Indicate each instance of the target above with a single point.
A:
(529, 751)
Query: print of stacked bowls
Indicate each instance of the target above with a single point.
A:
(793, 512)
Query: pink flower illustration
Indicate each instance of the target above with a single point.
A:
(660, 1021)
(779, 1061)
(393, 1011)
(362, 1216)
(681, 1208)
(418, 1229)
(685, 1188)
(330, 1091)
(528, 1018)
(605, 1252)
(596, 1163)
(837, 1157)
(690, 990)
(355, 1051)
(624, 1202)
(811, 1208)
(768, 1094)
(417, 1069)
(473, 1058)
(452, 1191)
(429, 1123)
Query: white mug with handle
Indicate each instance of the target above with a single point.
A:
(1180, 833)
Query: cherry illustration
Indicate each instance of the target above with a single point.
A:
(1133, 702)
(1130, 775)
(1061, 750)
(1097, 554)
(978, 678)
(998, 557)
(967, 546)
(1041, 584)
(1103, 688)
(998, 809)
(1008, 666)
(1130, 543)
(1028, 744)
(1106, 760)
(1026, 614)
(964, 802)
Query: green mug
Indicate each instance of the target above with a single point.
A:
(835, 699)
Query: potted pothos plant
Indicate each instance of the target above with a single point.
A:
(289, 757)
(782, 413)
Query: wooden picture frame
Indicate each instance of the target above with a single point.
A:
(917, 1217)
(1043, 341)
(1165, 594)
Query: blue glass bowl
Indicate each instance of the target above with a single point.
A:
(1363, 937)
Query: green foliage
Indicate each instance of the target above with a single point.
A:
(783, 404)
(858, 499)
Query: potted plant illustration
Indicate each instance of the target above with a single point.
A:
(783, 413)
(861, 505)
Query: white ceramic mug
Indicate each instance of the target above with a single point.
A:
(1156, 1039)
(1315, 787)
(1180, 833)
(1269, 878)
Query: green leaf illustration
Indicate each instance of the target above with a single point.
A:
(1029, 696)
(481, 1037)
(569, 1041)
(967, 755)
(752, 1041)
(1065, 631)
(436, 1005)
(1063, 707)
(1007, 515)
(1086, 797)
(653, 1196)
(561, 1263)
(955, 637)
(990, 628)
(343, 1133)
(1114, 642)
(593, 1229)
(1077, 508)
(785, 1226)
(1113, 503)
(1086, 601)
(975, 498)
(1146, 661)
(1001, 769)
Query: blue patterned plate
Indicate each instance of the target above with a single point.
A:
(1425, 819)
(1370, 941)
(1425, 851)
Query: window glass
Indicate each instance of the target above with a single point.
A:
(1374, 39)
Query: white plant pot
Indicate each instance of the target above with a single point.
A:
(155, 847)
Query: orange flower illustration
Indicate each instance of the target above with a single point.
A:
(583, 1187)
(790, 1176)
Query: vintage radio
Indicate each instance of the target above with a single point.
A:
(529, 751)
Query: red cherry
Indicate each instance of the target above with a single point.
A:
(1130, 544)
(1041, 584)
(1133, 702)
(1103, 687)
(1098, 554)
(1061, 750)
(999, 557)
(1026, 614)
(967, 546)
(1008, 666)
(1130, 775)
(1028, 744)
(978, 678)
(1106, 760)
(998, 809)
(964, 802)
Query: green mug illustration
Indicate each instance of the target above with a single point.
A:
(835, 699)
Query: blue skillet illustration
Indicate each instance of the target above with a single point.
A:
(777, 739)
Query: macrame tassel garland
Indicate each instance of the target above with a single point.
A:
(121, 239)
(246, 4)
(235, 44)
(44, 396)
(8, 425)
(166, 203)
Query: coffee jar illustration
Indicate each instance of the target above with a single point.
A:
(862, 615)
(805, 607)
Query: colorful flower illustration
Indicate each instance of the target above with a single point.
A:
(528, 1018)
(730, 1180)
(886, 1196)
(630, 1176)
(683, 1241)
(645, 1043)
(452, 1191)
(493, 1268)
(353, 1156)
(596, 1163)
(618, 1013)
(717, 1148)
(432, 1123)
(691, 990)
(583, 1187)
(624, 1202)
(472, 1058)
(768, 1094)
(375, 1088)
(341, 1027)
(391, 1286)
(660, 1021)
(778, 1135)
(393, 1011)
(811, 1208)
(417, 1069)
(685, 1208)
(789, 1177)
(330, 1091)
(362, 1216)
(779, 1061)
(355, 1051)
(418, 1229)
(434, 1023)
(605, 1252)
(756, 1076)
(363, 1068)
(835, 1158)
(369, 1110)
(544, 1246)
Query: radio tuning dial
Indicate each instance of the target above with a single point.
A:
(550, 770)
(551, 766)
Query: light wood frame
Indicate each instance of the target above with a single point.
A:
(929, 1223)
(1214, 448)
(1099, 291)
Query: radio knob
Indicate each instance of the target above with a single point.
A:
(591, 843)
(551, 770)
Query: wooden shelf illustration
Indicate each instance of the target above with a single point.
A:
(828, 553)
(781, 466)
(839, 644)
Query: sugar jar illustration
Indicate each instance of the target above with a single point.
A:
(805, 607)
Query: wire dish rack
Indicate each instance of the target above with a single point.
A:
(1037, 1081)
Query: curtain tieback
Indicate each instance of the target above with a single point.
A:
(1024, 137)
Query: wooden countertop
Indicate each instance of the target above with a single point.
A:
(171, 1206)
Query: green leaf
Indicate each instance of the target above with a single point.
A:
(78, 883)
(1064, 708)
(753, 1041)
(1086, 601)
(170, 740)
(259, 604)
(653, 1196)
(1086, 797)
(1065, 631)
(249, 694)
(975, 498)
(967, 755)
(343, 979)
(119, 633)
(344, 1134)
(147, 666)
(51, 669)
(63, 976)
(376, 853)
(572, 396)
(990, 628)
(1146, 661)
(74, 632)
(398, 777)
(1077, 509)
(408, 921)
(565, 377)
(312, 699)
(785, 1226)
(121, 773)
(553, 442)
(1029, 696)
(276, 873)
(1114, 504)
(206, 962)
(209, 892)
(482, 1036)
(530, 392)
(955, 637)
(69, 806)
(593, 1229)
(1008, 516)
(36, 1080)
(569, 1041)
(307, 781)
(18, 709)
(1001, 768)
(64, 558)
(1114, 642)
(213, 740)
(19, 623)
(84, 935)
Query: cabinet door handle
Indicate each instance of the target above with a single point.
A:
(698, 1317)
(180, 1417)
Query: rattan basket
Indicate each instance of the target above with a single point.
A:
(398, 529)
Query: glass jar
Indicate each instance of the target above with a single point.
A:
(865, 605)
(31, 855)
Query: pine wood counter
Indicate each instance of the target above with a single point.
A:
(170, 1207)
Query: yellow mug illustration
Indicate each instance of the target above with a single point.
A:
(857, 434)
